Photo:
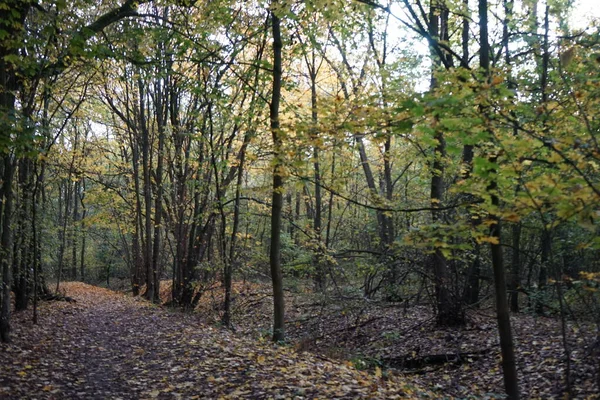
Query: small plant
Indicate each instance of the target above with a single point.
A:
(363, 363)
(391, 335)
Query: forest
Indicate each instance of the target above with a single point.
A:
(347, 198)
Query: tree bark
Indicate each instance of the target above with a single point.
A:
(515, 269)
(6, 245)
(509, 370)
(83, 232)
(449, 307)
(161, 110)
(75, 230)
(147, 244)
(66, 194)
(277, 195)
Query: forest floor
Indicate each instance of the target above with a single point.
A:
(454, 362)
(107, 345)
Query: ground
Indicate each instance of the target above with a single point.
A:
(460, 362)
(108, 345)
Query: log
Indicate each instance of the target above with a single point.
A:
(59, 297)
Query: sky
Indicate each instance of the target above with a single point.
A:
(583, 11)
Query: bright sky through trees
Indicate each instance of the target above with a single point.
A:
(584, 11)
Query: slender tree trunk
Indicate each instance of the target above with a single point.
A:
(161, 122)
(83, 232)
(511, 383)
(197, 236)
(472, 292)
(449, 307)
(546, 248)
(75, 230)
(23, 247)
(277, 196)
(449, 311)
(387, 221)
(66, 194)
(185, 276)
(328, 238)
(36, 255)
(231, 258)
(6, 245)
(509, 369)
(147, 254)
(515, 270)
(39, 286)
(233, 242)
(366, 166)
(320, 278)
(138, 260)
(546, 242)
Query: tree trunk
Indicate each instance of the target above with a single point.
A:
(6, 245)
(66, 194)
(23, 246)
(515, 270)
(137, 275)
(320, 277)
(472, 289)
(546, 247)
(161, 122)
(147, 244)
(509, 370)
(277, 196)
(75, 231)
(546, 242)
(449, 307)
(83, 232)
(12, 18)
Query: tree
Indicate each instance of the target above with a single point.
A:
(14, 64)
(278, 171)
(509, 368)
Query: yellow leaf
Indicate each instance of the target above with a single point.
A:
(489, 239)
(512, 217)
(47, 388)
(260, 359)
(378, 372)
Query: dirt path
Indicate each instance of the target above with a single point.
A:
(110, 346)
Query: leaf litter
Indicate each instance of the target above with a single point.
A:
(463, 362)
(110, 345)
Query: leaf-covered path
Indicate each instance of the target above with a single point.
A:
(109, 346)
